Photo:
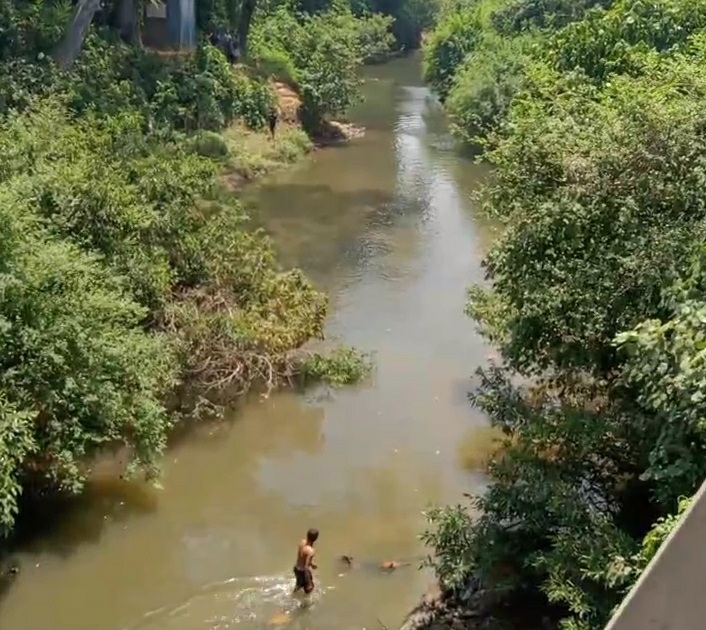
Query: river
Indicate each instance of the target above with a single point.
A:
(386, 225)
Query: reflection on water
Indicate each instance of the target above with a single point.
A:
(386, 225)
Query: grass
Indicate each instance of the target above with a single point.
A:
(252, 154)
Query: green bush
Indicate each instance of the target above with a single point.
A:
(523, 15)
(408, 19)
(78, 373)
(100, 185)
(199, 91)
(324, 52)
(477, 55)
(31, 26)
(486, 84)
(606, 41)
(276, 64)
(375, 37)
(457, 34)
(22, 81)
(343, 366)
(596, 302)
(116, 277)
(581, 163)
(209, 144)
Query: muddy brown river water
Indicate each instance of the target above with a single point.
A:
(386, 225)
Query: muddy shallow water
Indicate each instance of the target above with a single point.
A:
(386, 226)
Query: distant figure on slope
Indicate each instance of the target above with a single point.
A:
(272, 119)
(226, 43)
(305, 563)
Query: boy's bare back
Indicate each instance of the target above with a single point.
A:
(303, 576)
(305, 554)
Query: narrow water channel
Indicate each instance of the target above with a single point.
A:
(386, 225)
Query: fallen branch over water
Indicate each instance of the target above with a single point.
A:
(229, 348)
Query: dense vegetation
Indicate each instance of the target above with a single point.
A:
(410, 18)
(126, 274)
(593, 115)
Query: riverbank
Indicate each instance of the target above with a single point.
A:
(250, 154)
(477, 605)
(254, 154)
(442, 610)
(244, 155)
(474, 608)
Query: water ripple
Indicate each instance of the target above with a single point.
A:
(241, 600)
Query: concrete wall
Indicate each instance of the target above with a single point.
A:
(181, 23)
(671, 593)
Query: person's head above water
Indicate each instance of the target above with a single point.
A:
(312, 535)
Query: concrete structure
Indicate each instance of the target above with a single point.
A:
(181, 23)
(671, 593)
(170, 24)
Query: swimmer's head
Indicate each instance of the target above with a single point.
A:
(312, 535)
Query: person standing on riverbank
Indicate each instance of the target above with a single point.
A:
(303, 569)
(272, 119)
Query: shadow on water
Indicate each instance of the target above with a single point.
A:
(59, 524)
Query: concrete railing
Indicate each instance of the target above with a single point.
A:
(671, 592)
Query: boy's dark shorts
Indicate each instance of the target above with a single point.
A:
(305, 579)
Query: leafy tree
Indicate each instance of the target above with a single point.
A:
(455, 36)
(524, 15)
(411, 19)
(479, 51)
(486, 83)
(78, 373)
(596, 300)
(665, 367)
(607, 42)
(323, 52)
(603, 198)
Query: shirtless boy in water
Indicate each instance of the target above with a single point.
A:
(305, 563)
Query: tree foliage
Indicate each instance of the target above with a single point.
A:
(321, 53)
(455, 36)
(486, 84)
(607, 42)
(518, 16)
(125, 273)
(476, 55)
(78, 371)
(595, 299)
(116, 279)
(409, 18)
